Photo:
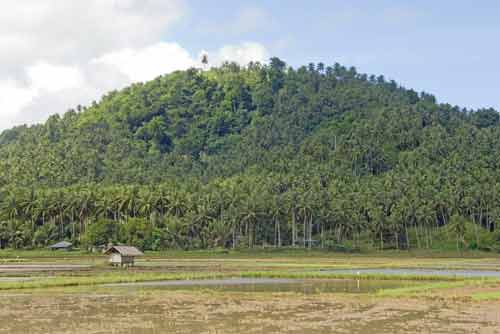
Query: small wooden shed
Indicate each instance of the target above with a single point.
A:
(122, 255)
(62, 245)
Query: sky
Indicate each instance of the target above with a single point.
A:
(56, 54)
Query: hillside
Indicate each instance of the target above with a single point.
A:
(260, 155)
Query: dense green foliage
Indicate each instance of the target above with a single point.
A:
(260, 155)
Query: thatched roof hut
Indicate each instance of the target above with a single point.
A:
(62, 245)
(122, 255)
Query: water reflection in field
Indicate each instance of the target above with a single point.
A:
(272, 285)
(418, 272)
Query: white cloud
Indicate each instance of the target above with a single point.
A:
(149, 62)
(56, 54)
(13, 97)
(46, 50)
(51, 78)
(56, 31)
(70, 87)
(50, 89)
(43, 79)
(242, 53)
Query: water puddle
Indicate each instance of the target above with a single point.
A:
(272, 285)
(419, 272)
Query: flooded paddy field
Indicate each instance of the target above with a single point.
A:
(250, 294)
(473, 273)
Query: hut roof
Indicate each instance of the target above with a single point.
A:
(61, 244)
(124, 250)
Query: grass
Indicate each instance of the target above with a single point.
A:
(429, 289)
(41, 253)
(132, 277)
(258, 263)
(486, 296)
(420, 289)
(258, 252)
(335, 261)
(262, 259)
(298, 252)
(327, 275)
(109, 278)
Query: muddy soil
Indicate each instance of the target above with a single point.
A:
(158, 311)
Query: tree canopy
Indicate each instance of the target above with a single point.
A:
(256, 155)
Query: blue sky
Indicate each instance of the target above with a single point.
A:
(57, 54)
(449, 48)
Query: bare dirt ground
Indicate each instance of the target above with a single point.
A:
(99, 310)
(156, 311)
(29, 268)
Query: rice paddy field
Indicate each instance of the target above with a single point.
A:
(250, 292)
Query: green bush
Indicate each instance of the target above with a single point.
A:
(102, 232)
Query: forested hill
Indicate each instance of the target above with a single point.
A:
(257, 155)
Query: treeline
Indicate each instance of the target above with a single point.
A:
(262, 155)
(421, 210)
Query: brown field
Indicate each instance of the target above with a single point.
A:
(414, 307)
(142, 312)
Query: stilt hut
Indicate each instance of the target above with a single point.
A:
(122, 255)
(63, 245)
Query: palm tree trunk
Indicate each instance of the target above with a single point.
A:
(322, 235)
(310, 229)
(407, 236)
(234, 237)
(417, 234)
(279, 234)
(304, 225)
